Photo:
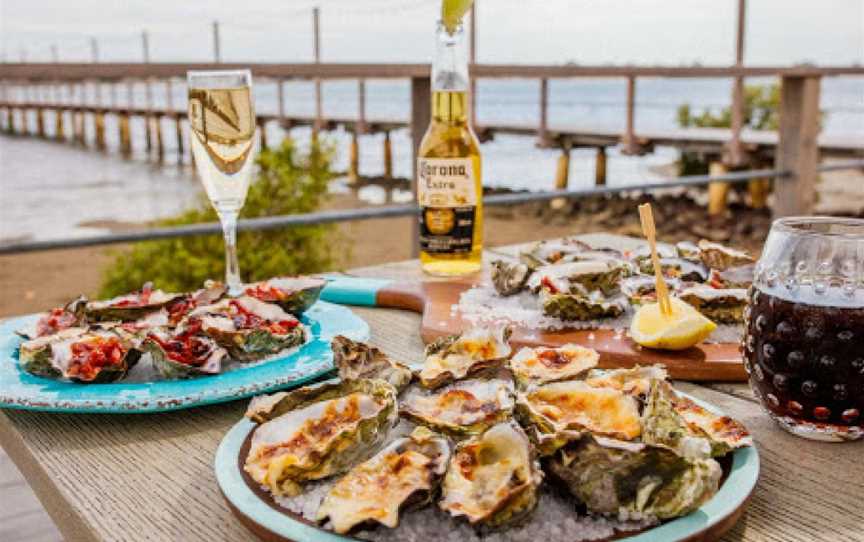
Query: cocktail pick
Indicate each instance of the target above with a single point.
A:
(650, 232)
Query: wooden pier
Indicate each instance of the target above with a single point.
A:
(726, 149)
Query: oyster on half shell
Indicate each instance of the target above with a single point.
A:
(405, 474)
(541, 365)
(248, 328)
(317, 431)
(720, 257)
(458, 356)
(680, 424)
(633, 480)
(293, 294)
(463, 408)
(356, 360)
(79, 354)
(72, 314)
(130, 306)
(560, 412)
(573, 307)
(184, 352)
(492, 479)
(509, 278)
(635, 381)
(583, 276)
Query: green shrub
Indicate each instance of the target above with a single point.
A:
(289, 182)
(760, 111)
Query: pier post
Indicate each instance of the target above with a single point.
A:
(600, 167)
(80, 135)
(388, 156)
(629, 144)
(125, 136)
(718, 192)
(157, 130)
(361, 106)
(421, 98)
(99, 130)
(178, 127)
(148, 137)
(797, 148)
(10, 120)
(542, 137)
(22, 112)
(262, 129)
(758, 190)
(562, 174)
(58, 124)
(40, 122)
(354, 159)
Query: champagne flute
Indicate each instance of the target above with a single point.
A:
(222, 125)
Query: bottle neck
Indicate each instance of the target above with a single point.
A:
(450, 76)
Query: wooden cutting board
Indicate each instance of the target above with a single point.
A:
(435, 302)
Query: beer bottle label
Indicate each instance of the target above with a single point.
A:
(447, 197)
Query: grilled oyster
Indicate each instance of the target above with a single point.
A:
(643, 289)
(734, 277)
(579, 277)
(72, 314)
(717, 256)
(79, 354)
(248, 328)
(542, 365)
(550, 252)
(635, 381)
(688, 251)
(293, 294)
(562, 411)
(581, 307)
(678, 268)
(634, 480)
(721, 305)
(177, 310)
(679, 424)
(509, 278)
(466, 407)
(356, 360)
(130, 306)
(642, 255)
(405, 474)
(459, 356)
(492, 479)
(316, 431)
(184, 353)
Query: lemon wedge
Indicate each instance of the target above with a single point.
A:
(452, 12)
(684, 328)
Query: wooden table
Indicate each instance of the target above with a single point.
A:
(149, 477)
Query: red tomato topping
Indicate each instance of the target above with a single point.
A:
(243, 319)
(137, 299)
(186, 348)
(90, 356)
(547, 283)
(266, 293)
(54, 321)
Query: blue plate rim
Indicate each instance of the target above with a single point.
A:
(733, 494)
(310, 361)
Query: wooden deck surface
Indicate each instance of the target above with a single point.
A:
(149, 477)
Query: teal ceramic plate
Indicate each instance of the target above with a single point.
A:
(22, 390)
(261, 515)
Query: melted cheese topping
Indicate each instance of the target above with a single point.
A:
(475, 346)
(299, 438)
(719, 428)
(635, 381)
(576, 405)
(539, 365)
(461, 404)
(485, 472)
(376, 489)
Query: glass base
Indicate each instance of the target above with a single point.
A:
(818, 431)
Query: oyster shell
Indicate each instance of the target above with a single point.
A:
(562, 411)
(130, 306)
(677, 268)
(733, 277)
(184, 353)
(642, 255)
(720, 305)
(643, 289)
(81, 355)
(633, 480)
(459, 356)
(532, 366)
(509, 278)
(466, 407)
(635, 381)
(688, 251)
(356, 360)
(317, 431)
(549, 252)
(405, 474)
(492, 479)
(293, 294)
(681, 425)
(248, 328)
(73, 314)
(212, 292)
(581, 307)
(579, 277)
(717, 256)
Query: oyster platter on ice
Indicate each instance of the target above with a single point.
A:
(479, 441)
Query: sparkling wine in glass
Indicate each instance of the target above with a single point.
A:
(222, 123)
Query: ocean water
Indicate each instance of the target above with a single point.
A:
(56, 190)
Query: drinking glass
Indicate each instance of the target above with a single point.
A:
(804, 327)
(222, 125)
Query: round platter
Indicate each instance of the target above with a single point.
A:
(269, 521)
(21, 390)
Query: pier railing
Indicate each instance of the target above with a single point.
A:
(791, 154)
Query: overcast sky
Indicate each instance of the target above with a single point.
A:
(668, 32)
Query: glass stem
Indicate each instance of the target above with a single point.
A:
(232, 267)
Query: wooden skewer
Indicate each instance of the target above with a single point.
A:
(648, 228)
